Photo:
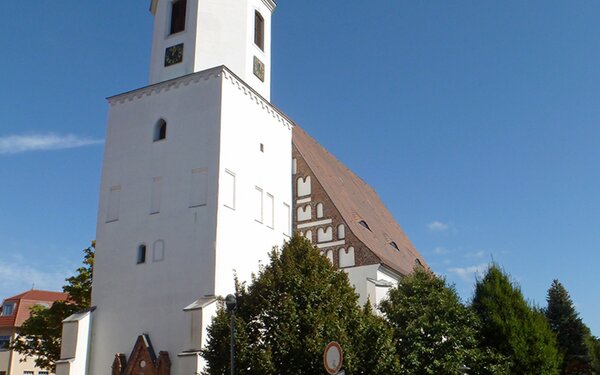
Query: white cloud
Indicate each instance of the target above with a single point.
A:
(17, 277)
(467, 273)
(441, 250)
(438, 226)
(477, 254)
(15, 144)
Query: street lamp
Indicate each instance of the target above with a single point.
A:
(231, 304)
(464, 369)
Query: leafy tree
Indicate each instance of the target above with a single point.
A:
(514, 328)
(434, 332)
(287, 315)
(593, 345)
(569, 329)
(39, 337)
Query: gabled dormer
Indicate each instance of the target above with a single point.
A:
(195, 35)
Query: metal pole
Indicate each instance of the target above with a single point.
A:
(232, 356)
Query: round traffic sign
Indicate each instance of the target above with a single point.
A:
(333, 357)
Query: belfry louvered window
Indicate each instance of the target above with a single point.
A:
(259, 30)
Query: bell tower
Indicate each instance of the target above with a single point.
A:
(194, 35)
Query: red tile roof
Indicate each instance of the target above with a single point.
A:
(25, 301)
(356, 202)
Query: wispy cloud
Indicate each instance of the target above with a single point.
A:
(467, 273)
(16, 277)
(441, 250)
(476, 254)
(15, 144)
(438, 226)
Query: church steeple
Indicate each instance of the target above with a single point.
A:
(194, 35)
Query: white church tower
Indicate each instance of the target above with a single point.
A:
(195, 185)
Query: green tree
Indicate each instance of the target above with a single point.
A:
(569, 329)
(434, 332)
(39, 337)
(287, 315)
(514, 328)
(593, 344)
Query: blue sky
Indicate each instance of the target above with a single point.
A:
(477, 122)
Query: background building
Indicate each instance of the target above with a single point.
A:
(13, 312)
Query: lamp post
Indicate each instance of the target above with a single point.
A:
(231, 304)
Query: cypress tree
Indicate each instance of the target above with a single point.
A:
(569, 329)
(511, 326)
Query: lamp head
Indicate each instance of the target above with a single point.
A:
(230, 302)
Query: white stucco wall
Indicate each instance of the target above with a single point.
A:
(368, 290)
(242, 240)
(132, 298)
(215, 124)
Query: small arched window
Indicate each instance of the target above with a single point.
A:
(160, 130)
(141, 254)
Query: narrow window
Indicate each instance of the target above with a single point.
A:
(287, 212)
(262, 148)
(228, 189)
(258, 202)
(269, 211)
(160, 130)
(141, 254)
(259, 30)
(114, 200)
(198, 187)
(394, 245)
(178, 8)
(4, 341)
(155, 196)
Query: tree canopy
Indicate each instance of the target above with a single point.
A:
(39, 337)
(290, 311)
(434, 332)
(513, 327)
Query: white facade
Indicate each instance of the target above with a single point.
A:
(201, 225)
(217, 32)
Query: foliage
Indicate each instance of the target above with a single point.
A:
(569, 329)
(39, 337)
(287, 315)
(512, 327)
(434, 332)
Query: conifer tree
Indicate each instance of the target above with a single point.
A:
(434, 332)
(289, 312)
(514, 328)
(569, 329)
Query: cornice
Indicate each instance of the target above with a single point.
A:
(205, 75)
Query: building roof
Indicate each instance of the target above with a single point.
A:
(357, 202)
(25, 301)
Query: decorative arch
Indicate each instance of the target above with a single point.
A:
(304, 213)
(325, 234)
(142, 360)
(341, 232)
(319, 210)
(308, 235)
(329, 255)
(303, 186)
(347, 257)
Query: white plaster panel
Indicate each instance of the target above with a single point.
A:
(303, 187)
(347, 257)
(325, 235)
(304, 213)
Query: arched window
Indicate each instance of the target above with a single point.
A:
(160, 130)
(394, 245)
(141, 254)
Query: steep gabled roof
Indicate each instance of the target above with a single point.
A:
(357, 202)
(25, 301)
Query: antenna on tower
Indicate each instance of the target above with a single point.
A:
(32, 286)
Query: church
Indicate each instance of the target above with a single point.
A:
(202, 175)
